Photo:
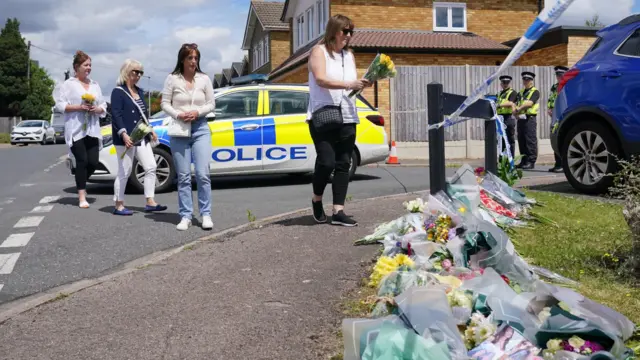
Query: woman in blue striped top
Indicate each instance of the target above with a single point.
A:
(127, 108)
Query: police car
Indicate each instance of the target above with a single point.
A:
(256, 129)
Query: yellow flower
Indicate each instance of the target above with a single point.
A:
(402, 259)
(88, 98)
(384, 266)
(554, 345)
(384, 59)
(576, 342)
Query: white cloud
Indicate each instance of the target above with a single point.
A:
(609, 11)
(149, 31)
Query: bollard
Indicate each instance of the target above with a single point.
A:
(490, 147)
(435, 115)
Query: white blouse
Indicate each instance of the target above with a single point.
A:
(176, 98)
(70, 93)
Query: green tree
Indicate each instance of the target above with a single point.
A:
(13, 69)
(39, 101)
(156, 98)
(594, 22)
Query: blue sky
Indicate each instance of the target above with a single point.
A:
(152, 31)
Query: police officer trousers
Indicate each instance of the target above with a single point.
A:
(510, 129)
(528, 139)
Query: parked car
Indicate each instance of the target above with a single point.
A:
(597, 112)
(256, 129)
(57, 121)
(33, 131)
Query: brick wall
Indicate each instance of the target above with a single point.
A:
(549, 56)
(299, 75)
(498, 20)
(279, 47)
(577, 47)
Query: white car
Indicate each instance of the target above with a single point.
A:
(33, 131)
(256, 129)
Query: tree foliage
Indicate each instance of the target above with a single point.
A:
(594, 22)
(14, 87)
(156, 98)
(24, 94)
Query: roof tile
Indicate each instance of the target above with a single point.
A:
(269, 13)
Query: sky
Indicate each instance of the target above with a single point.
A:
(111, 31)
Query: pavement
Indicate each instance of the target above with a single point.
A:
(47, 241)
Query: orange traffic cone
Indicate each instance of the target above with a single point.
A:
(393, 157)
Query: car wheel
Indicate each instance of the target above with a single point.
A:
(165, 172)
(589, 152)
(44, 140)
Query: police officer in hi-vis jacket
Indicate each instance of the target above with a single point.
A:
(560, 70)
(506, 105)
(527, 107)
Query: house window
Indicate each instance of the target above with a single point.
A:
(300, 32)
(310, 29)
(449, 16)
(266, 49)
(260, 53)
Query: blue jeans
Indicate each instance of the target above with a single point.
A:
(183, 149)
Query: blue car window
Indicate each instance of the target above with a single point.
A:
(631, 47)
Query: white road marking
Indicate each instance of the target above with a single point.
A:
(42, 209)
(29, 221)
(48, 199)
(17, 240)
(7, 262)
(26, 185)
(1, 286)
(60, 161)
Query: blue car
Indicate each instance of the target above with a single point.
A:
(597, 112)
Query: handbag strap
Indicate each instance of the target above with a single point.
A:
(137, 105)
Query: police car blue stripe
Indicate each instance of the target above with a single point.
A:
(268, 131)
(247, 137)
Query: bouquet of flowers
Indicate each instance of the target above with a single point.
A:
(575, 344)
(89, 100)
(141, 130)
(381, 68)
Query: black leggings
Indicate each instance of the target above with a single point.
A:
(87, 154)
(333, 152)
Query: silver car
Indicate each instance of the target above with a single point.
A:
(33, 131)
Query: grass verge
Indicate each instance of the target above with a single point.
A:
(587, 247)
(5, 138)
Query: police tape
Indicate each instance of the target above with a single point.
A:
(540, 25)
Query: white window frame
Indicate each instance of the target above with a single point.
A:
(260, 51)
(265, 50)
(449, 7)
(320, 16)
(311, 31)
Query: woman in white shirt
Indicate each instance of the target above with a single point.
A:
(188, 97)
(332, 76)
(81, 121)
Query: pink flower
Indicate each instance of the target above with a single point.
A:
(446, 264)
(479, 171)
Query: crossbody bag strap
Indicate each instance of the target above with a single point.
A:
(136, 103)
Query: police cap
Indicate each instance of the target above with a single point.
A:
(560, 69)
(528, 75)
(505, 78)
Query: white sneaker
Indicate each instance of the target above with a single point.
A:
(184, 224)
(207, 224)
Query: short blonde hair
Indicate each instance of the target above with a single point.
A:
(126, 68)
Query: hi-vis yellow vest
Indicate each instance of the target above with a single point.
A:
(503, 96)
(533, 110)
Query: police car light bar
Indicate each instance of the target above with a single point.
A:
(250, 79)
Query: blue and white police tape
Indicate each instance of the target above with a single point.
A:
(502, 135)
(540, 25)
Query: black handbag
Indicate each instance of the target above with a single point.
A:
(329, 117)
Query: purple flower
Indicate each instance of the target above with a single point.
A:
(452, 234)
(566, 346)
(593, 346)
(446, 264)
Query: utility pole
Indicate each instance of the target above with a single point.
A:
(66, 75)
(29, 63)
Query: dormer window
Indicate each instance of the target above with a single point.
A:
(449, 17)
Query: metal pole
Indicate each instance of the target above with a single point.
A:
(435, 115)
(29, 64)
(490, 147)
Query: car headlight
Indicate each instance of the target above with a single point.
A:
(107, 140)
(39, 132)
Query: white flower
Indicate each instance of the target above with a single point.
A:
(576, 342)
(414, 206)
(554, 345)
(544, 314)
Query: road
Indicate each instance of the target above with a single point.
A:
(47, 241)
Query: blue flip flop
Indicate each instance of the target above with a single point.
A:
(123, 212)
(158, 207)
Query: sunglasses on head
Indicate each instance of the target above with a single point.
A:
(192, 45)
(138, 72)
(347, 31)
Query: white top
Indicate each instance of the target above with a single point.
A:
(176, 98)
(319, 96)
(70, 93)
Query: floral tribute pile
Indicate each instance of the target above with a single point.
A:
(452, 286)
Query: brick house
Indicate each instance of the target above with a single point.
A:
(562, 45)
(266, 37)
(423, 32)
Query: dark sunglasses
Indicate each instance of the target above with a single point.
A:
(192, 45)
(347, 31)
(138, 72)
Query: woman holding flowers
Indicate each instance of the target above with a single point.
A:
(188, 97)
(128, 109)
(80, 100)
(332, 115)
